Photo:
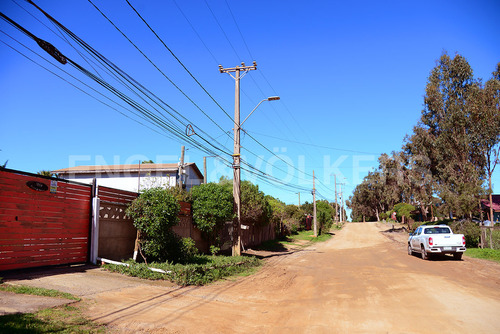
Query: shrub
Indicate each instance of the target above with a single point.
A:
(212, 207)
(403, 210)
(188, 249)
(469, 229)
(154, 213)
(202, 269)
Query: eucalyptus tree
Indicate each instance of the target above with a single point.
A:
(485, 103)
(452, 134)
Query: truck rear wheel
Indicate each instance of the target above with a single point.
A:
(457, 256)
(424, 254)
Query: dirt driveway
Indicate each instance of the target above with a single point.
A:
(361, 281)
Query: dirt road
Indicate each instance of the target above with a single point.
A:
(358, 282)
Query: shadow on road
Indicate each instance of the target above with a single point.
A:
(34, 273)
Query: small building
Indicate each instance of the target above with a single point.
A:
(485, 206)
(135, 177)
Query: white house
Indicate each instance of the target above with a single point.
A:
(134, 177)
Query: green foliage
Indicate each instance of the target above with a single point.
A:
(403, 210)
(214, 250)
(324, 216)
(45, 173)
(181, 195)
(469, 229)
(278, 212)
(188, 249)
(29, 290)
(62, 319)
(255, 209)
(485, 253)
(154, 213)
(201, 270)
(452, 151)
(212, 207)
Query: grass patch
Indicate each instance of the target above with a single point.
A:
(29, 290)
(62, 319)
(484, 253)
(300, 239)
(309, 237)
(202, 269)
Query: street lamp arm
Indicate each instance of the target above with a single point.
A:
(272, 98)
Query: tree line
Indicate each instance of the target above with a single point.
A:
(446, 164)
(156, 210)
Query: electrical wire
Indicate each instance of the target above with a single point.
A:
(152, 63)
(179, 61)
(155, 119)
(175, 130)
(129, 79)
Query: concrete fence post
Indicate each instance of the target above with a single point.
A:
(94, 242)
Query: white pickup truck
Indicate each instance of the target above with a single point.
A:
(436, 239)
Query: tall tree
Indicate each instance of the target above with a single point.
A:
(448, 117)
(485, 103)
(418, 149)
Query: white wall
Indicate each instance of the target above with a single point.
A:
(131, 181)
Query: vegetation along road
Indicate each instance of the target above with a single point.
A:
(361, 280)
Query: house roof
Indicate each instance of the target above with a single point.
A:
(496, 202)
(126, 168)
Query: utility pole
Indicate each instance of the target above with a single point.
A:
(299, 198)
(204, 170)
(342, 201)
(315, 222)
(181, 167)
(236, 249)
(336, 204)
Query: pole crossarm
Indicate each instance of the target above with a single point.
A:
(243, 67)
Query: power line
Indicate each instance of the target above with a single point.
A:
(129, 79)
(150, 116)
(314, 145)
(179, 61)
(254, 139)
(152, 63)
(154, 119)
(223, 32)
(196, 32)
(238, 27)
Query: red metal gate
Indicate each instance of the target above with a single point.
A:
(42, 221)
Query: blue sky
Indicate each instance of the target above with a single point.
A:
(351, 77)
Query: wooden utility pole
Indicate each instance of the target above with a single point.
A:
(204, 170)
(336, 204)
(299, 198)
(236, 248)
(181, 167)
(315, 222)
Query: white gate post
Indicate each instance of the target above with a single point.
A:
(94, 242)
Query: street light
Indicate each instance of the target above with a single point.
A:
(271, 98)
(236, 251)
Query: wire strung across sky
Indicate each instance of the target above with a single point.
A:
(174, 125)
(251, 56)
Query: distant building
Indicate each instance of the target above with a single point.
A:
(134, 177)
(485, 205)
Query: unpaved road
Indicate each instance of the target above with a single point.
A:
(358, 282)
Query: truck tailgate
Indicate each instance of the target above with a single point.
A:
(447, 240)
